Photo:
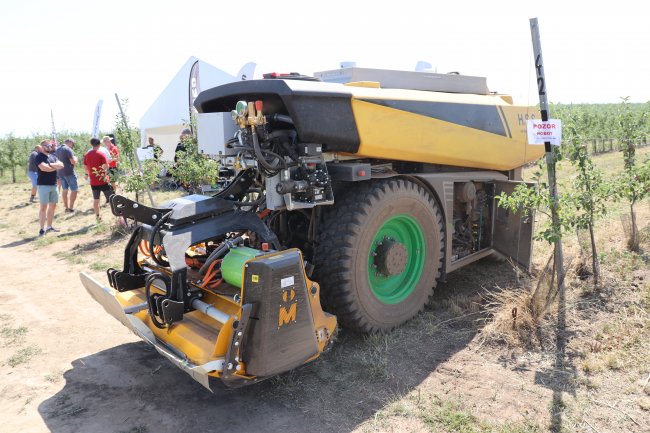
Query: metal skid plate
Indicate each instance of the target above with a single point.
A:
(106, 298)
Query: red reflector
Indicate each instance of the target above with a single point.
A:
(265, 246)
(258, 105)
(361, 173)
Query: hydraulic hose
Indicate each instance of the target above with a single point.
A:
(260, 157)
(147, 288)
(282, 118)
(154, 231)
(220, 251)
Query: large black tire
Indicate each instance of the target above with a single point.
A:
(342, 256)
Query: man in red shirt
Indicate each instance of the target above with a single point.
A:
(96, 166)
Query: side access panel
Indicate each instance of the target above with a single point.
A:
(512, 232)
(442, 184)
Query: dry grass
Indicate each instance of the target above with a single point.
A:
(519, 316)
(432, 413)
(511, 319)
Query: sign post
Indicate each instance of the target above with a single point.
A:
(544, 125)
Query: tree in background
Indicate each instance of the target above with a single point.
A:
(631, 183)
(14, 153)
(629, 130)
(127, 138)
(589, 195)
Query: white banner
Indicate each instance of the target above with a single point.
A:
(98, 113)
(53, 128)
(540, 132)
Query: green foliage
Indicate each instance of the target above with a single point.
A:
(600, 125)
(586, 199)
(14, 152)
(127, 138)
(193, 169)
(633, 184)
(526, 199)
(629, 130)
(590, 191)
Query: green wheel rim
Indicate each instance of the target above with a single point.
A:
(404, 232)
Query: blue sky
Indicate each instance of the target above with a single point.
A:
(66, 55)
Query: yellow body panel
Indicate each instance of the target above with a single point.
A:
(195, 336)
(391, 133)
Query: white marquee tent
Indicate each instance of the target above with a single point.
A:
(165, 119)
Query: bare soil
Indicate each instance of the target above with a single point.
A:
(66, 366)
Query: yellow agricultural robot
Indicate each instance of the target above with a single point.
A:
(358, 188)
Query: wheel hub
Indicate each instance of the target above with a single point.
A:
(391, 258)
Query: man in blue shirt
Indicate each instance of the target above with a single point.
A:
(68, 177)
(32, 171)
(47, 164)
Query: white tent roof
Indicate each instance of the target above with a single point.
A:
(165, 119)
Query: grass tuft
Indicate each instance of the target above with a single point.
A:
(23, 355)
(12, 336)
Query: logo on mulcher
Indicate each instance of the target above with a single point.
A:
(287, 313)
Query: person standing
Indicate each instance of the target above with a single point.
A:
(96, 167)
(32, 171)
(47, 164)
(180, 147)
(113, 160)
(67, 176)
(55, 147)
(156, 149)
(114, 155)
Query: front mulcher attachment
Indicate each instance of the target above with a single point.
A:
(214, 307)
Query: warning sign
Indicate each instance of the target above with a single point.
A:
(540, 132)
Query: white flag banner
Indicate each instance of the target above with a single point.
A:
(194, 86)
(98, 113)
(53, 128)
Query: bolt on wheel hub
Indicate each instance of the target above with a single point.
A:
(391, 258)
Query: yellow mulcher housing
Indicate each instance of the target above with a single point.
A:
(378, 182)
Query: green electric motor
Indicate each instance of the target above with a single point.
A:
(232, 266)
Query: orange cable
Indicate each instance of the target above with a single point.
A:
(144, 247)
(209, 274)
(216, 284)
